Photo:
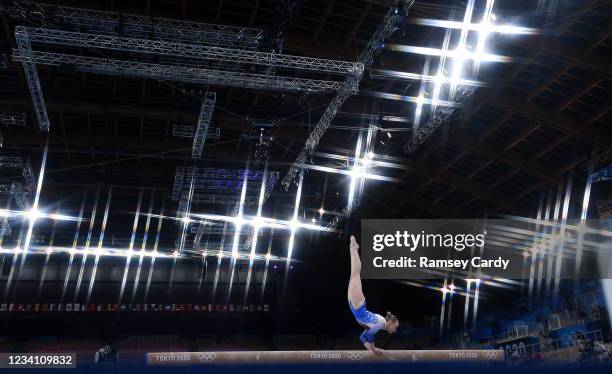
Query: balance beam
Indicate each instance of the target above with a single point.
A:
(319, 357)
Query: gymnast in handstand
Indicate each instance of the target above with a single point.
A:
(371, 322)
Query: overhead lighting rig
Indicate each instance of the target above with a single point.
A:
(465, 56)
(389, 25)
(233, 49)
(146, 27)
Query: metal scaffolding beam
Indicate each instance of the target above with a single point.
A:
(217, 245)
(205, 175)
(315, 136)
(441, 115)
(188, 131)
(28, 176)
(31, 73)
(203, 122)
(194, 51)
(11, 162)
(177, 73)
(216, 181)
(13, 118)
(134, 25)
(16, 191)
(214, 199)
(183, 207)
(339, 217)
(214, 228)
(390, 23)
(179, 179)
(5, 227)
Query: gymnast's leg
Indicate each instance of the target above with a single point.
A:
(355, 294)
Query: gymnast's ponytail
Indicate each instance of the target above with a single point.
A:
(390, 317)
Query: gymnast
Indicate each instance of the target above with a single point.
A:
(371, 322)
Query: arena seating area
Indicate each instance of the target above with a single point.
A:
(570, 328)
(555, 328)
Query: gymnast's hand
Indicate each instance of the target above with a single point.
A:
(370, 347)
(353, 246)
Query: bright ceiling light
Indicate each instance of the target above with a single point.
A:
(61, 217)
(33, 214)
(461, 54)
(420, 100)
(294, 224)
(451, 54)
(386, 95)
(485, 27)
(258, 222)
(356, 171)
(502, 29)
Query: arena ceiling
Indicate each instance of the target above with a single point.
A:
(538, 120)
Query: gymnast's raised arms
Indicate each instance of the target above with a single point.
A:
(371, 322)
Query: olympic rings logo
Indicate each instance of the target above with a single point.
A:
(207, 356)
(490, 355)
(355, 356)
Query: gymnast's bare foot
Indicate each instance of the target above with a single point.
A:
(353, 245)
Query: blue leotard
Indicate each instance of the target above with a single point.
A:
(372, 322)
